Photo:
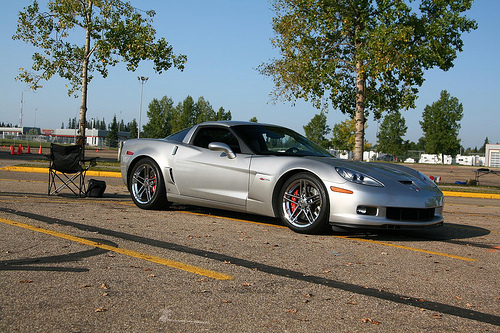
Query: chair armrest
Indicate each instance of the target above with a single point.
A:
(90, 160)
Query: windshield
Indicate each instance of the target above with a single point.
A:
(275, 140)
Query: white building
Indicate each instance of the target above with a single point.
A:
(492, 155)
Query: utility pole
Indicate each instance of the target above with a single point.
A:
(142, 80)
(21, 114)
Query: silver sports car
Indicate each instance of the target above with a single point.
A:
(274, 171)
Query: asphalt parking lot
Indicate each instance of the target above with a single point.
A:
(101, 264)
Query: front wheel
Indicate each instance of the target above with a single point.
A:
(304, 205)
(146, 185)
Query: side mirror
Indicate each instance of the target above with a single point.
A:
(219, 146)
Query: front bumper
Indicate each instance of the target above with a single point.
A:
(383, 208)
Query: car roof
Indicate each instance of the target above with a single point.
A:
(230, 123)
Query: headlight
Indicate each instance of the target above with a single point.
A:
(358, 177)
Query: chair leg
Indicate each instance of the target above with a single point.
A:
(66, 183)
(83, 188)
(52, 182)
(49, 187)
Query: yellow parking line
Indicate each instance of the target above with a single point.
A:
(407, 248)
(94, 173)
(158, 260)
(344, 237)
(233, 219)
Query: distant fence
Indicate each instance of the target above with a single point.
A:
(34, 139)
(46, 140)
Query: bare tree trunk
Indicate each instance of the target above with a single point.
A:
(360, 112)
(83, 105)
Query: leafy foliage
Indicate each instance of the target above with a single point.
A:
(109, 31)
(160, 114)
(441, 124)
(390, 135)
(34, 131)
(344, 135)
(317, 130)
(165, 119)
(362, 56)
(133, 129)
(112, 135)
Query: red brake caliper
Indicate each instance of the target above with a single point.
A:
(294, 199)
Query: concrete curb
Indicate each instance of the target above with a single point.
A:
(118, 175)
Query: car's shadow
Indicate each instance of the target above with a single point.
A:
(448, 232)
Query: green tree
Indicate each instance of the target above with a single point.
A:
(34, 131)
(317, 130)
(254, 120)
(133, 129)
(112, 135)
(441, 124)
(204, 111)
(344, 135)
(390, 135)
(223, 114)
(418, 146)
(110, 31)
(421, 144)
(102, 124)
(72, 123)
(362, 56)
(483, 148)
(184, 115)
(160, 114)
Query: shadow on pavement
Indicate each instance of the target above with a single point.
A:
(449, 231)
(33, 264)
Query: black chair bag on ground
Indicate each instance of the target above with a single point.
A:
(95, 188)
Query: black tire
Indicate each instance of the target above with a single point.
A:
(146, 185)
(304, 204)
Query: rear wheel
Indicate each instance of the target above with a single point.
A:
(304, 205)
(146, 185)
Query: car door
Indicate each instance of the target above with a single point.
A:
(211, 175)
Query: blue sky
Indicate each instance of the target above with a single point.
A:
(225, 40)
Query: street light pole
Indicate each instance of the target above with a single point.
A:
(142, 80)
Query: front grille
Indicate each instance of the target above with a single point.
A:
(410, 214)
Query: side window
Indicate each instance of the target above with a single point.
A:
(206, 135)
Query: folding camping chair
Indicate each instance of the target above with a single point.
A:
(69, 166)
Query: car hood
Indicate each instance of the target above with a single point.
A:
(386, 173)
